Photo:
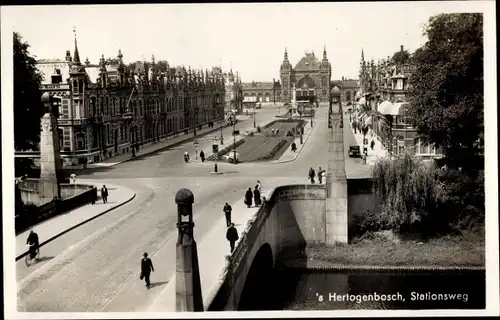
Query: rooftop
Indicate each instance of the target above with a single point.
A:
(307, 63)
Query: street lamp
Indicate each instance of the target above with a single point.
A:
(234, 140)
(221, 136)
(254, 115)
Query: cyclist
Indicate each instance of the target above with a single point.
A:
(33, 242)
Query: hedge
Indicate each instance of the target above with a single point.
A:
(273, 150)
(226, 150)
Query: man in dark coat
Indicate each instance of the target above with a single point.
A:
(256, 196)
(33, 242)
(294, 146)
(232, 236)
(104, 194)
(311, 174)
(202, 156)
(320, 175)
(248, 197)
(227, 212)
(146, 268)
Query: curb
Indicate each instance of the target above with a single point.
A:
(297, 154)
(77, 225)
(402, 269)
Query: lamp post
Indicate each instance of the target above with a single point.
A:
(221, 136)
(234, 140)
(254, 115)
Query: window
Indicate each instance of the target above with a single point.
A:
(423, 149)
(400, 145)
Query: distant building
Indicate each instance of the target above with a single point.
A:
(348, 89)
(234, 92)
(309, 78)
(107, 110)
(385, 87)
(262, 91)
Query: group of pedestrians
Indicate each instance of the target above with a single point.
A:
(321, 174)
(104, 195)
(250, 197)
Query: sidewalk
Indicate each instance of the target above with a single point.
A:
(289, 155)
(152, 147)
(55, 227)
(212, 252)
(378, 150)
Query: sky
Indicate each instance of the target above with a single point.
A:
(249, 38)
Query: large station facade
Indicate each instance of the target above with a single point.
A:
(105, 110)
(310, 77)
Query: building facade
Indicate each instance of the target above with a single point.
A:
(107, 110)
(348, 89)
(262, 91)
(385, 89)
(234, 92)
(309, 77)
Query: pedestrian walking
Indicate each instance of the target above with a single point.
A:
(258, 186)
(248, 197)
(227, 212)
(256, 196)
(311, 174)
(202, 156)
(372, 143)
(93, 197)
(272, 131)
(104, 194)
(277, 132)
(294, 147)
(320, 175)
(146, 268)
(232, 236)
(364, 157)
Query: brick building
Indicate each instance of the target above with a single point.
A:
(106, 110)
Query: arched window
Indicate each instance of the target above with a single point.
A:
(400, 148)
(75, 86)
(423, 149)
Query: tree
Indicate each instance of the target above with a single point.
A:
(410, 195)
(446, 96)
(162, 66)
(28, 108)
(401, 57)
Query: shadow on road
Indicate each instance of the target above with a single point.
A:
(42, 259)
(158, 283)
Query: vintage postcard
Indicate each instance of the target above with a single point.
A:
(250, 160)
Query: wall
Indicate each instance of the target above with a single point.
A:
(360, 198)
(30, 193)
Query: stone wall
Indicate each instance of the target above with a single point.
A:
(29, 188)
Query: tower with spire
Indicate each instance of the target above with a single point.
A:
(286, 78)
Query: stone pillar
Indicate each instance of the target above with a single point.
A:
(50, 158)
(294, 94)
(188, 295)
(336, 182)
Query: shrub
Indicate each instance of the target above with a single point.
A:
(410, 195)
(368, 221)
(273, 151)
(226, 150)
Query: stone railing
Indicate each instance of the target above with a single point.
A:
(32, 214)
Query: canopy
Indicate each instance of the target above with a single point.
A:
(385, 107)
(368, 121)
(398, 108)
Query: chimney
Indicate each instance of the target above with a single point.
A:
(402, 48)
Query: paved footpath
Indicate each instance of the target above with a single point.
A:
(53, 228)
(213, 250)
(378, 150)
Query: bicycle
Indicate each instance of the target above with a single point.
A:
(29, 260)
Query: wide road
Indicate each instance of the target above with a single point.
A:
(96, 266)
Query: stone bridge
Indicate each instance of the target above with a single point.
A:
(293, 217)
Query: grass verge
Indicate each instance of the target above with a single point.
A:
(466, 250)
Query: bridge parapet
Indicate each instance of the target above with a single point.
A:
(297, 216)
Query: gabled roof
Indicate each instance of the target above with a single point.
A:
(93, 73)
(308, 63)
(47, 66)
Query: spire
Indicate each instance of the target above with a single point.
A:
(362, 55)
(76, 57)
(324, 53)
(286, 55)
(102, 65)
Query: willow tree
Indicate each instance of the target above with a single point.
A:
(410, 194)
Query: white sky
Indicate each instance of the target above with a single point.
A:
(250, 37)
